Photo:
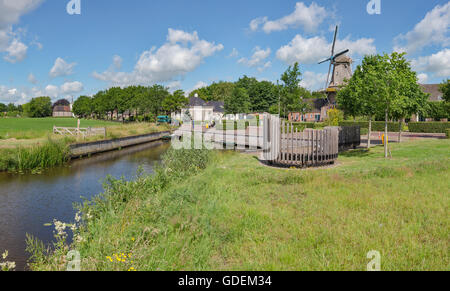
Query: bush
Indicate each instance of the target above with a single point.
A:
(429, 127)
(447, 133)
(376, 125)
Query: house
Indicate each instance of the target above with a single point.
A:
(435, 96)
(317, 113)
(199, 110)
(62, 108)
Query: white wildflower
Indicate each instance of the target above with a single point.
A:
(5, 255)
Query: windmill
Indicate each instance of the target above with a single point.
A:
(342, 69)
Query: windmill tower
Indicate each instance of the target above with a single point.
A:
(342, 70)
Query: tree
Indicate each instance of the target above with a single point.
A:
(39, 107)
(174, 102)
(83, 106)
(3, 108)
(445, 89)
(399, 93)
(292, 94)
(334, 118)
(238, 102)
(360, 96)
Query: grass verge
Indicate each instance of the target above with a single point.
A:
(232, 213)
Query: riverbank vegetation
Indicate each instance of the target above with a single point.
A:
(226, 211)
(30, 145)
(36, 157)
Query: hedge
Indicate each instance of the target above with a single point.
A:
(447, 133)
(301, 126)
(429, 127)
(376, 125)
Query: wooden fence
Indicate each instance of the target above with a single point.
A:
(287, 146)
(83, 132)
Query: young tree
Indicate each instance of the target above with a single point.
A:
(291, 93)
(360, 96)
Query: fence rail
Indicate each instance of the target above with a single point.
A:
(286, 145)
(84, 132)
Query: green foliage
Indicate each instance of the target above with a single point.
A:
(238, 102)
(174, 102)
(51, 153)
(437, 110)
(292, 94)
(301, 126)
(445, 89)
(262, 94)
(376, 125)
(383, 84)
(83, 106)
(38, 107)
(3, 108)
(335, 117)
(429, 127)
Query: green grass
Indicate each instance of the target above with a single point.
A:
(240, 215)
(35, 158)
(31, 128)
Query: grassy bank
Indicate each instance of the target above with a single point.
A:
(35, 158)
(236, 214)
(46, 150)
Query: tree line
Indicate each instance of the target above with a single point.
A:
(243, 96)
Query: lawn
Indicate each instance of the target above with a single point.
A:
(238, 214)
(27, 132)
(30, 128)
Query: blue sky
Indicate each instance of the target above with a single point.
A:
(185, 44)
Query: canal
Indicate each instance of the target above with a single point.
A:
(28, 202)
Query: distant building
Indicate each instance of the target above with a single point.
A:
(435, 96)
(199, 110)
(62, 108)
(317, 113)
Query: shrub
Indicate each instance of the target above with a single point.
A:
(376, 125)
(447, 133)
(429, 127)
(335, 117)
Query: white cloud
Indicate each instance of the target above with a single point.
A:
(313, 50)
(32, 79)
(307, 17)
(438, 64)
(432, 30)
(12, 10)
(10, 13)
(61, 68)
(52, 91)
(16, 52)
(117, 62)
(183, 53)
(258, 59)
(423, 78)
(71, 88)
(313, 81)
